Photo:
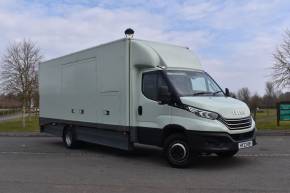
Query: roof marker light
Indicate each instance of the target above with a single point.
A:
(129, 33)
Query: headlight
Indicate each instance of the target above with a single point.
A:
(203, 113)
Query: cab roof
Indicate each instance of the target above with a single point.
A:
(154, 54)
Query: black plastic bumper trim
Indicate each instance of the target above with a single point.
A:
(218, 141)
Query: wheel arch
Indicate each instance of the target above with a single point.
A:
(66, 127)
(172, 129)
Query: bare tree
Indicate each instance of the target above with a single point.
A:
(281, 66)
(270, 90)
(244, 95)
(19, 71)
(255, 103)
(284, 96)
(269, 99)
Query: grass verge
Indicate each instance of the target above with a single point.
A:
(15, 125)
(267, 119)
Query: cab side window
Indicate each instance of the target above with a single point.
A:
(151, 82)
(149, 85)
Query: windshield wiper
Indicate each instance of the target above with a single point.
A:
(201, 93)
(217, 92)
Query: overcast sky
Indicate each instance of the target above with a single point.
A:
(233, 39)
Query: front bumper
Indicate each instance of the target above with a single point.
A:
(214, 142)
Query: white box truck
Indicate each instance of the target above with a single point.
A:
(134, 91)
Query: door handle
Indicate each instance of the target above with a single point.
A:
(106, 112)
(140, 110)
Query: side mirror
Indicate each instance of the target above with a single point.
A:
(164, 95)
(227, 92)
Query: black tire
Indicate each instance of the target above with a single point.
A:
(69, 138)
(227, 154)
(177, 151)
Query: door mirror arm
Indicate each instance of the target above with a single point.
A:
(227, 92)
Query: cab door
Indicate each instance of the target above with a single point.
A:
(152, 115)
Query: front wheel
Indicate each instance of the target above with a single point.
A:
(178, 151)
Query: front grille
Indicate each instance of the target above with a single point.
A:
(243, 136)
(237, 124)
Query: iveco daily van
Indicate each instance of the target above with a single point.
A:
(134, 91)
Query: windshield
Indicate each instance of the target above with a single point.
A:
(193, 83)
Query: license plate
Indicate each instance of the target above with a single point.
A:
(245, 144)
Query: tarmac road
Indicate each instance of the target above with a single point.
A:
(43, 165)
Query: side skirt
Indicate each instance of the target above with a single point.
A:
(103, 134)
(149, 136)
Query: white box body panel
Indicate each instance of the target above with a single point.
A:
(87, 86)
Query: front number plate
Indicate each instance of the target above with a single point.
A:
(245, 144)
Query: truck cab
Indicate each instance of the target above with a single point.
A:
(182, 109)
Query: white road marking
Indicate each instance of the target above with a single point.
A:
(265, 155)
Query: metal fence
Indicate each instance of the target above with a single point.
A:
(6, 112)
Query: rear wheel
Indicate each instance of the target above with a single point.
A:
(69, 138)
(227, 154)
(178, 151)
